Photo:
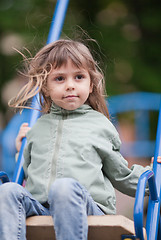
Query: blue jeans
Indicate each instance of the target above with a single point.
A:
(69, 202)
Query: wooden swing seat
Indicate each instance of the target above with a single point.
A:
(106, 227)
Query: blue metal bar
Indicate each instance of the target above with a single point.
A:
(153, 224)
(158, 149)
(57, 21)
(134, 101)
(18, 172)
(54, 33)
(153, 214)
(152, 188)
(34, 114)
(139, 202)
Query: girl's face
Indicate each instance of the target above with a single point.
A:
(69, 86)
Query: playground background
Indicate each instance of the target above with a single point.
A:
(128, 34)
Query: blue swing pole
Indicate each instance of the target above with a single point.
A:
(153, 214)
(54, 34)
(153, 223)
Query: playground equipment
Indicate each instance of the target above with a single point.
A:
(153, 223)
(140, 105)
(104, 227)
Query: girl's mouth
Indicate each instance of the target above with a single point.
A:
(70, 96)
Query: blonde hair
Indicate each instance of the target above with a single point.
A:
(53, 56)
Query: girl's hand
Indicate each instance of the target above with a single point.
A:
(22, 133)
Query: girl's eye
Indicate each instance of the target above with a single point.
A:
(79, 77)
(59, 79)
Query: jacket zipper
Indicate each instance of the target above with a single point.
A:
(56, 149)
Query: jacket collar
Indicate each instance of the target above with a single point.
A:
(60, 111)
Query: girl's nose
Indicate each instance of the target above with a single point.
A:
(70, 84)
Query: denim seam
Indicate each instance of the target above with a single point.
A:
(82, 199)
(81, 217)
(20, 217)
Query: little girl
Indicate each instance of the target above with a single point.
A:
(72, 159)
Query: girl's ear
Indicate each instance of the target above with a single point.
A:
(91, 88)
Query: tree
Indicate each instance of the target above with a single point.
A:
(128, 33)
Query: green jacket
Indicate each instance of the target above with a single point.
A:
(81, 144)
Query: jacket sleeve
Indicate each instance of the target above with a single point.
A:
(115, 167)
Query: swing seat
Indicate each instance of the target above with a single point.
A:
(112, 227)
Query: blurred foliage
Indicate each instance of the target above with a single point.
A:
(128, 33)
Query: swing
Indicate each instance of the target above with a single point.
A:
(113, 227)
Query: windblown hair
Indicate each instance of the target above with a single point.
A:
(53, 56)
